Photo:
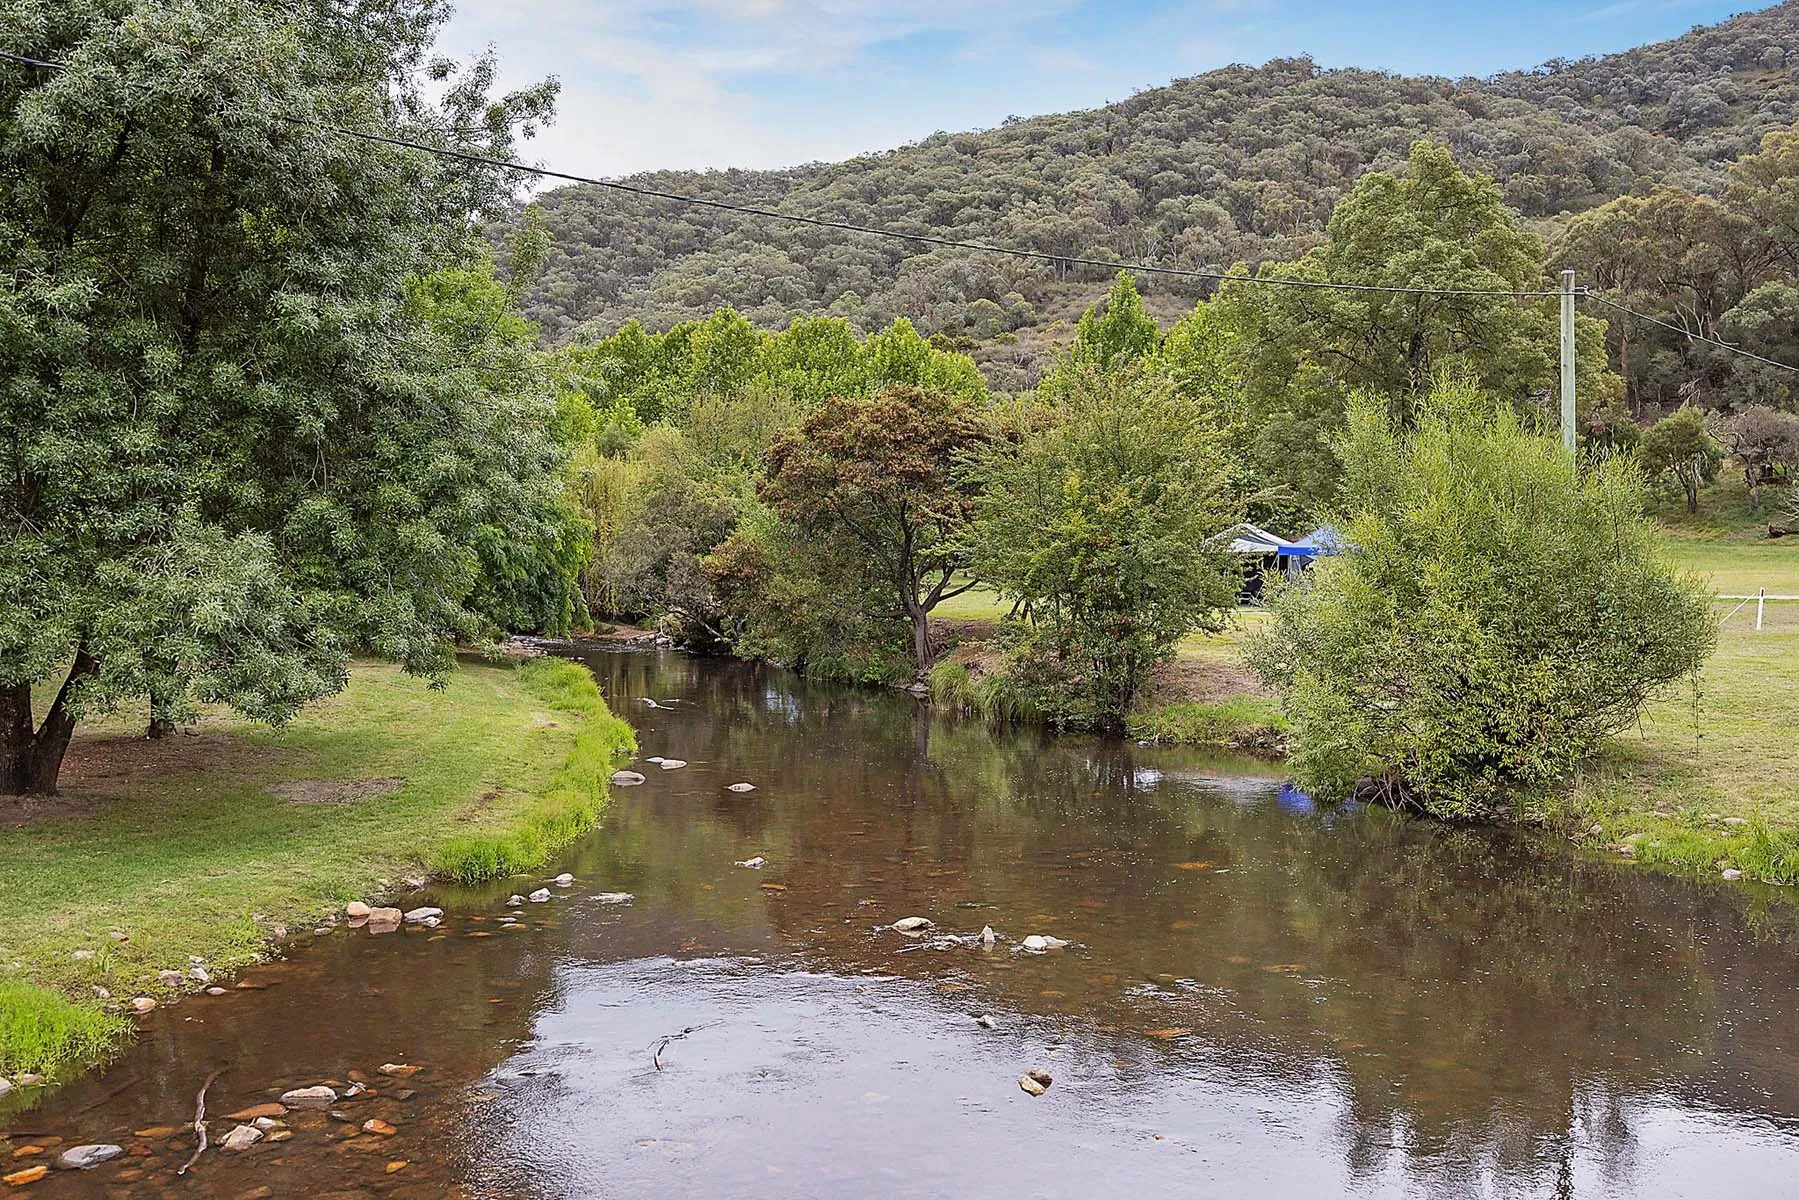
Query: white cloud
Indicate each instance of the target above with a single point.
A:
(671, 83)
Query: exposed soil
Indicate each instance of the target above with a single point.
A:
(101, 767)
(1203, 681)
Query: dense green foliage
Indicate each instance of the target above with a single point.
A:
(246, 426)
(1680, 449)
(1098, 523)
(1502, 612)
(1238, 164)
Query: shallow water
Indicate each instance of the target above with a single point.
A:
(1259, 999)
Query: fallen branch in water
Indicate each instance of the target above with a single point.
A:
(200, 1121)
(662, 1043)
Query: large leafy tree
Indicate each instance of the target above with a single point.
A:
(887, 475)
(1303, 350)
(230, 452)
(1098, 524)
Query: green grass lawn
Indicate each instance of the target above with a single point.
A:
(204, 844)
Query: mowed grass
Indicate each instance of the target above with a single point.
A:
(206, 857)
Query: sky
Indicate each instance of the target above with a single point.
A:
(699, 84)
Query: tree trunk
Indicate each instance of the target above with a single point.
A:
(31, 761)
(921, 635)
(161, 723)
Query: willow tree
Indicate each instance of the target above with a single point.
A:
(232, 451)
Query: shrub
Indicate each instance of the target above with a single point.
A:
(1501, 612)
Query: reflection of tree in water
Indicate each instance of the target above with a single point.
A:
(1483, 1003)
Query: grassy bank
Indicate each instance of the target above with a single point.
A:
(207, 843)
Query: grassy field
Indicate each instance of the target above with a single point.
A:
(206, 843)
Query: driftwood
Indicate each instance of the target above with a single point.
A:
(200, 1121)
(663, 1043)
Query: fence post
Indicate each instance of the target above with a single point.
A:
(1761, 598)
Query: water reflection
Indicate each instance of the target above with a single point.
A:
(1259, 996)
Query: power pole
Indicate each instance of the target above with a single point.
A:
(1568, 430)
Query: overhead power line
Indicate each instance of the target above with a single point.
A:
(1687, 333)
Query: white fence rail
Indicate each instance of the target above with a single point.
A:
(1760, 598)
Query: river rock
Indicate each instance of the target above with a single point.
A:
(82, 955)
(1035, 1082)
(255, 1111)
(241, 1138)
(400, 1069)
(912, 924)
(986, 1022)
(1037, 943)
(169, 978)
(216, 991)
(28, 1079)
(27, 1175)
(672, 764)
(5, 1087)
(356, 910)
(563, 880)
(626, 779)
(654, 758)
(741, 787)
(540, 896)
(141, 1004)
(754, 864)
(101, 993)
(514, 901)
(423, 914)
(86, 1158)
(615, 897)
(317, 1096)
(199, 974)
(268, 1124)
(1731, 874)
(379, 1127)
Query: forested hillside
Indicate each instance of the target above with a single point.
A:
(1238, 164)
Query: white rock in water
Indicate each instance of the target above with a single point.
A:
(754, 864)
(1037, 943)
(987, 935)
(626, 779)
(1034, 1082)
(646, 700)
(424, 914)
(317, 1096)
(86, 1158)
(672, 764)
(241, 1138)
(615, 897)
(141, 1004)
(655, 758)
(912, 924)
(563, 880)
(356, 910)
(986, 1022)
(1731, 874)
(539, 896)
(741, 787)
(514, 901)
(215, 991)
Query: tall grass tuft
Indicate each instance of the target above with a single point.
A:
(43, 1031)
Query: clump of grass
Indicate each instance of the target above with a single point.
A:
(1245, 723)
(993, 695)
(45, 1032)
(568, 805)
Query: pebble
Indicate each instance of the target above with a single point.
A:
(86, 1158)
(241, 1138)
(1037, 943)
(563, 880)
(28, 1079)
(169, 978)
(82, 954)
(1731, 874)
(199, 974)
(377, 1126)
(654, 758)
(400, 1069)
(986, 1022)
(741, 787)
(626, 779)
(418, 915)
(672, 764)
(102, 993)
(356, 910)
(28, 1175)
(540, 895)
(754, 864)
(258, 1111)
(1035, 1082)
(281, 1135)
(514, 901)
(399, 1164)
(141, 1004)
(118, 935)
(987, 935)
(317, 1096)
(5, 1088)
(215, 991)
(912, 924)
(266, 1124)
